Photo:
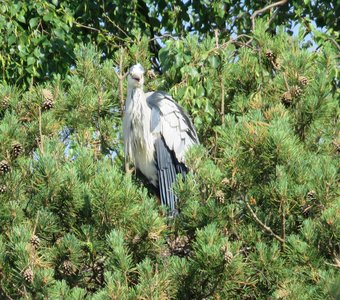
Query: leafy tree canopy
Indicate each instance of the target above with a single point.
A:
(37, 38)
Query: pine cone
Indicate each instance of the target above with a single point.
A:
(35, 241)
(225, 181)
(270, 55)
(287, 98)
(3, 189)
(48, 104)
(68, 268)
(47, 94)
(311, 195)
(303, 81)
(16, 150)
(228, 256)
(220, 196)
(277, 63)
(4, 167)
(296, 91)
(252, 201)
(4, 103)
(98, 271)
(179, 246)
(336, 146)
(28, 275)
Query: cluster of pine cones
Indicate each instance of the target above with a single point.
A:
(295, 91)
(271, 57)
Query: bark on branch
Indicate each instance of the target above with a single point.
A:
(41, 142)
(121, 77)
(258, 221)
(266, 8)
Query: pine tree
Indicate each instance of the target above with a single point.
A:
(258, 213)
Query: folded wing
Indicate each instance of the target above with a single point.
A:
(174, 134)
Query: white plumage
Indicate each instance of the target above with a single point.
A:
(157, 134)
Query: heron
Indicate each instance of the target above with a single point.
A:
(157, 134)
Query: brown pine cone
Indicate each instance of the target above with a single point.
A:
(228, 256)
(4, 103)
(3, 189)
(179, 246)
(220, 196)
(4, 167)
(270, 55)
(68, 268)
(16, 150)
(47, 105)
(28, 275)
(35, 241)
(296, 91)
(47, 94)
(287, 98)
(303, 81)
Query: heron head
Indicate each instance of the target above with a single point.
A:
(136, 76)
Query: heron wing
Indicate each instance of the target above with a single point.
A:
(167, 169)
(172, 123)
(174, 134)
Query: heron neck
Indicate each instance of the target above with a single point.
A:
(137, 122)
(136, 97)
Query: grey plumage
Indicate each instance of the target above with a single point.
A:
(157, 134)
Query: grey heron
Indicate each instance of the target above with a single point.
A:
(157, 133)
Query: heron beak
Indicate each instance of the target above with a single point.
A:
(136, 78)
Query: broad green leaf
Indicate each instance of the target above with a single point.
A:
(34, 22)
(11, 39)
(30, 60)
(21, 18)
(214, 61)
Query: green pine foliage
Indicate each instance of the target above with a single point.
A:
(259, 213)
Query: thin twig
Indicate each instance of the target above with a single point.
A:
(262, 10)
(105, 34)
(115, 25)
(216, 37)
(222, 100)
(100, 100)
(86, 27)
(164, 36)
(121, 81)
(334, 42)
(286, 82)
(244, 282)
(283, 222)
(36, 222)
(41, 144)
(273, 17)
(258, 221)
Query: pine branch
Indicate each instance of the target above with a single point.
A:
(258, 221)
(222, 101)
(283, 222)
(266, 8)
(41, 144)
